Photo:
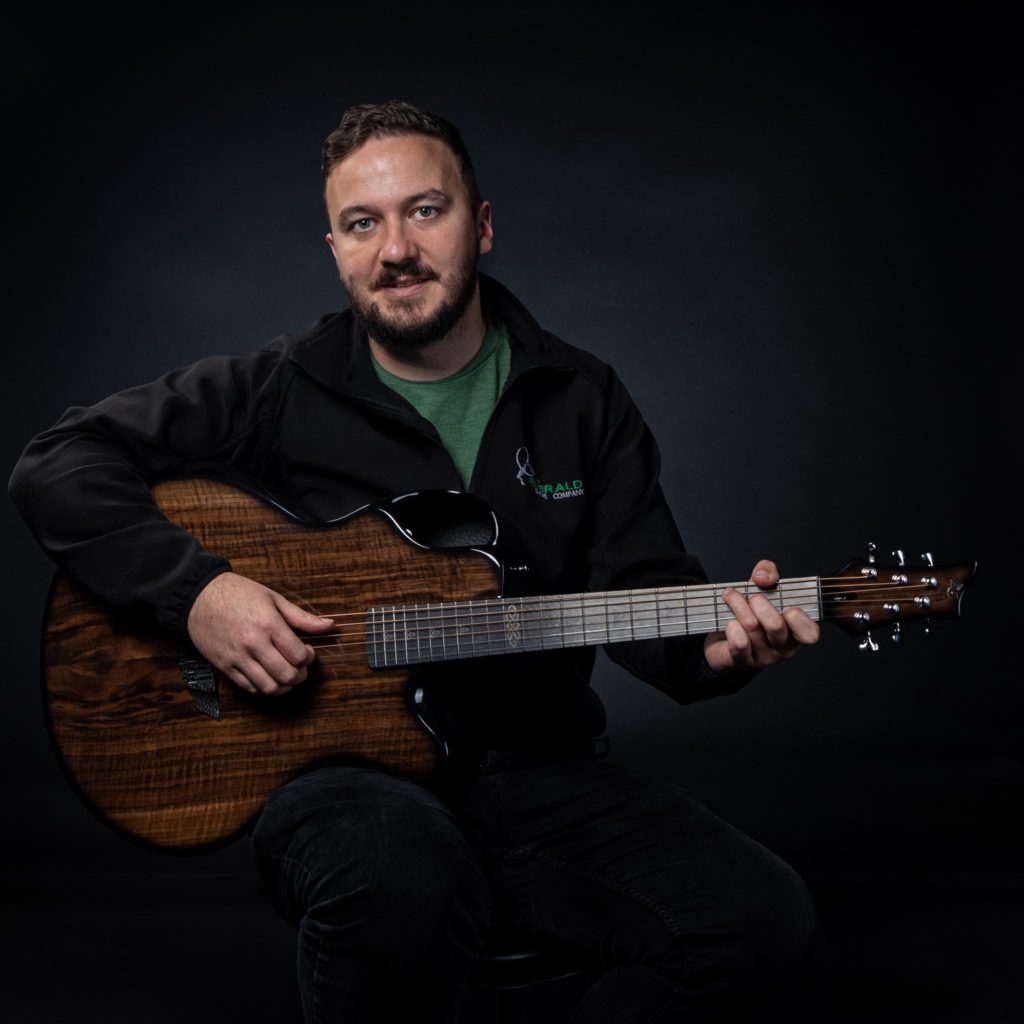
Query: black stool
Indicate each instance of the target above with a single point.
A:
(514, 960)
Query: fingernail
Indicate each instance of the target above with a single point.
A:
(760, 575)
(325, 618)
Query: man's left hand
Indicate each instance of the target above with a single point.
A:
(759, 635)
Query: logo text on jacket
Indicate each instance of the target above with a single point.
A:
(555, 491)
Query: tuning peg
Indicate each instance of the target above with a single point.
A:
(927, 626)
(872, 548)
(867, 644)
(926, 557)
(896, 635)
(901, 559)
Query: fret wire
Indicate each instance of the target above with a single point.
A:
(394, 637)
(419, 632)
(405, 631)
(379, 637)
(444, 647)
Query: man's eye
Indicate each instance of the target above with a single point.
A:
(363, 224)
(426, 212)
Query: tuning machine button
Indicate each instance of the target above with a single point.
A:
(926, 557)
(872, 548)
(867, 644)
(897, 634)
(901, 559)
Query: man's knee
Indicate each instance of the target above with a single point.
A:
(372, 854)
(761, 935)
(780, 922)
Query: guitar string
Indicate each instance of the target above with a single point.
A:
(496, 610)
(404, 623)
(390, 634)
(692, 597)
(491, 612)
(411, 631)
(431, 650)
(494, 616)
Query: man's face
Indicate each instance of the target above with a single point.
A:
(405, 238)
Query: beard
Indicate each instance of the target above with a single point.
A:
(406, 333)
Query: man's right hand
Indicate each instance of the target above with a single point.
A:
(246, 630)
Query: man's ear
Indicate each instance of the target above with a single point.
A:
(329, 238)
(484, 227)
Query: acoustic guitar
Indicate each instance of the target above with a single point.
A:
(169, 753)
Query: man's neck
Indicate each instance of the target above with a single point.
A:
(443, 357)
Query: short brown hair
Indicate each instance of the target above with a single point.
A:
(396, 117)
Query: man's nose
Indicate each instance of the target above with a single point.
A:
(398, 244)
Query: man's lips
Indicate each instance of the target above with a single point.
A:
(404, 285)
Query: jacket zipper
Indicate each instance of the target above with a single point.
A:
(485, 439)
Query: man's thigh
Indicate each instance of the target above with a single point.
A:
(383, 841)
(638, 871)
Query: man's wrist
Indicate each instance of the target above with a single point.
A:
(728, 681)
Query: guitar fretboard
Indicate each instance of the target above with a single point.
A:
(410, 634)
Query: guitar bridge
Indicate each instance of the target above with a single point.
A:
(201, 681)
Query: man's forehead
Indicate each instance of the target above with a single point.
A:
(392, 167)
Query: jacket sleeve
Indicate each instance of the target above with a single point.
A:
(636, 544)
(83, 485)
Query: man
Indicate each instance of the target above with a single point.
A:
(437, 377)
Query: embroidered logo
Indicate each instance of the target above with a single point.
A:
(556, 491)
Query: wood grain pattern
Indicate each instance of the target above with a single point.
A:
(127, 728)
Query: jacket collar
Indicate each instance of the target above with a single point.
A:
(335, 351)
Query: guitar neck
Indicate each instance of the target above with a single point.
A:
(413, 634)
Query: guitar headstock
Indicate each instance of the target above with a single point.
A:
(866, 595)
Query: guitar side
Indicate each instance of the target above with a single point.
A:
(138, 746)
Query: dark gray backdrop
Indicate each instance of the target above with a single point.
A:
(788, 232)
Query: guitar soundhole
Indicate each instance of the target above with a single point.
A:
(445, 520)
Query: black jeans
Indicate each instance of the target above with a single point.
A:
(392, 884)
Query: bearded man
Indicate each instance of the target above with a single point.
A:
(437, 377)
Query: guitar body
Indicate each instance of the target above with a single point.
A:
(178, 768)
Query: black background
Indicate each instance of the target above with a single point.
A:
(787, 229)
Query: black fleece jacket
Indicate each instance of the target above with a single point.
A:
(566, 462)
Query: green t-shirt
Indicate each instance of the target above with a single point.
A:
(460, 406)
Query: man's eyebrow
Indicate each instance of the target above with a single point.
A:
(434, 195)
